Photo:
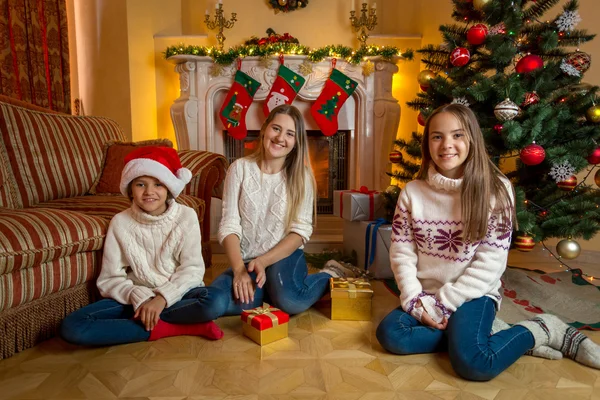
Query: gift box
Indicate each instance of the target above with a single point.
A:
(350, 299)
(265, 324)
(358, 205)
(371, 241)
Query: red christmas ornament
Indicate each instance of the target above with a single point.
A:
(594, 158)
(579, 60)
(498, 128)
(532, 154)
(421, 119)
(529, 63)
(530, 98)
(423, 88)
(460, 56)
(476, 34)
(395, 156)
(568, 185)
(524, 243)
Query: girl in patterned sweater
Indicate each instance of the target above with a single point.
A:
(450, 240)
(152, 268)
(268, 209)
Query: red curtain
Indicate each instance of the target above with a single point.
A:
(34, 52)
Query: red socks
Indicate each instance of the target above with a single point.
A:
(163, 329)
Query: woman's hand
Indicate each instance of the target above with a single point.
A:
(258, 266)
(149, 312)
(428, 321)
(243, 287)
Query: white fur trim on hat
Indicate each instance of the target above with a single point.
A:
(147, 167)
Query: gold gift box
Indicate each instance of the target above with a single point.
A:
(266, 336)
(350, 299)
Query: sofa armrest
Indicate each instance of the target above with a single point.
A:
(208, 177)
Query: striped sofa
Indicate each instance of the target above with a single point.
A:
(51, 231)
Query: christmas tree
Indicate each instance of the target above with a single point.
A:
(521, 73)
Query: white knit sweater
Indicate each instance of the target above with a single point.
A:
(145, 255)
(255, 207)
(429, 256)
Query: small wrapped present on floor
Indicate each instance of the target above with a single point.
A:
(265, 324)
(350, 299)
(371, 240)
(358, 205)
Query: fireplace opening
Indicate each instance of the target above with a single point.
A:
(328, 157)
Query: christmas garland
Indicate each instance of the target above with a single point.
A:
(287, 5)
(226, 57)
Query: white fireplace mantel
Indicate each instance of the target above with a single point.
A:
(371, 115)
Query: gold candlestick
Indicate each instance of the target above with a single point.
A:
(220, 22)
(366, 21)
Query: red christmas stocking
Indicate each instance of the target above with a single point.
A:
(326, 108)
(235, 107)
(284, 89)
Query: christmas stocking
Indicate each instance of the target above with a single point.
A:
(336, 91)
(239, 98)
(284, 89)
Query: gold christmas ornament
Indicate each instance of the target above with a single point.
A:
(306, 68)
(479, 4)
(425, 76)
(597, 178)
(282, 3)
(216, 70)
(265, 62)
(367, 68)
(393, 191)
(568, 248)
(593, 114)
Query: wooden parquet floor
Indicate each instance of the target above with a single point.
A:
(321, 359)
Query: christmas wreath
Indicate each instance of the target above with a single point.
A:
(287, 5)
(271, 38)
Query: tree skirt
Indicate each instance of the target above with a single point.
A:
(527, 293)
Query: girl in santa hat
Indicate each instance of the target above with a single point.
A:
(152, 268)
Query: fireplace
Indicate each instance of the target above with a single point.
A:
(328, 157)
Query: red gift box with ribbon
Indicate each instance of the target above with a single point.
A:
(358, 205)
(265, 324)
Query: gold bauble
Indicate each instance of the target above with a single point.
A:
(593, 114)
(282, 2)
(393, 191)
(479, 4)
(597, 178)
(568, 248)
(425, 76)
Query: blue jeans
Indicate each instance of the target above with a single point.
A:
(475, 354)
(288, 286)
(108, 322)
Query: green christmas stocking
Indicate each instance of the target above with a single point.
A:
(235, 106)
(284, 89)
(335, 93)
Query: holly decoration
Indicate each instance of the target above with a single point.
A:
(524, 243)
(234, 109)
(287, 5)
(327, 106)
(284, 90)
(395, 157)
(271, 38)
(532, 154)
(529, 63)
(594, 158)
(476, 34)
(568, 184)
(460, 57)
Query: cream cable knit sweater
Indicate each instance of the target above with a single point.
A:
(145, 255)
(429, 256)
(255, 206)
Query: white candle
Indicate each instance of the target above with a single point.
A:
(206, 12)
(352, 5)
(216, 6)
(220, 1)
(374, 6)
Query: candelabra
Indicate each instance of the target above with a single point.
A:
(219, 22)
(366, 21)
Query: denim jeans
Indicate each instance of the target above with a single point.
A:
(108, 322)
(475, 354)
(288, 286)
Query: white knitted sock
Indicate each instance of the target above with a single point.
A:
(338, 270)
(568, 340)
(541, 351)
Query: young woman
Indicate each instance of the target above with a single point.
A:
(450, 239)
(268, 211)
(152, 268)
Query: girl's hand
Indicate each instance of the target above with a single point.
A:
(258, 266)
(149, 312)
(243, 287)
(428, 321)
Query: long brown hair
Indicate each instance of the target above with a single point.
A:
(296, 165)
(482, 180)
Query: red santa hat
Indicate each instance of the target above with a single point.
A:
(161, 163)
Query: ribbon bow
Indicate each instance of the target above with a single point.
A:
(352, 284)
(266, 310)
(362, 190)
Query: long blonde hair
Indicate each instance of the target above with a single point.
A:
(296, 165)
(482, 180)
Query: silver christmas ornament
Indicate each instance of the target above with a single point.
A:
(506, 110)
(568, 248)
